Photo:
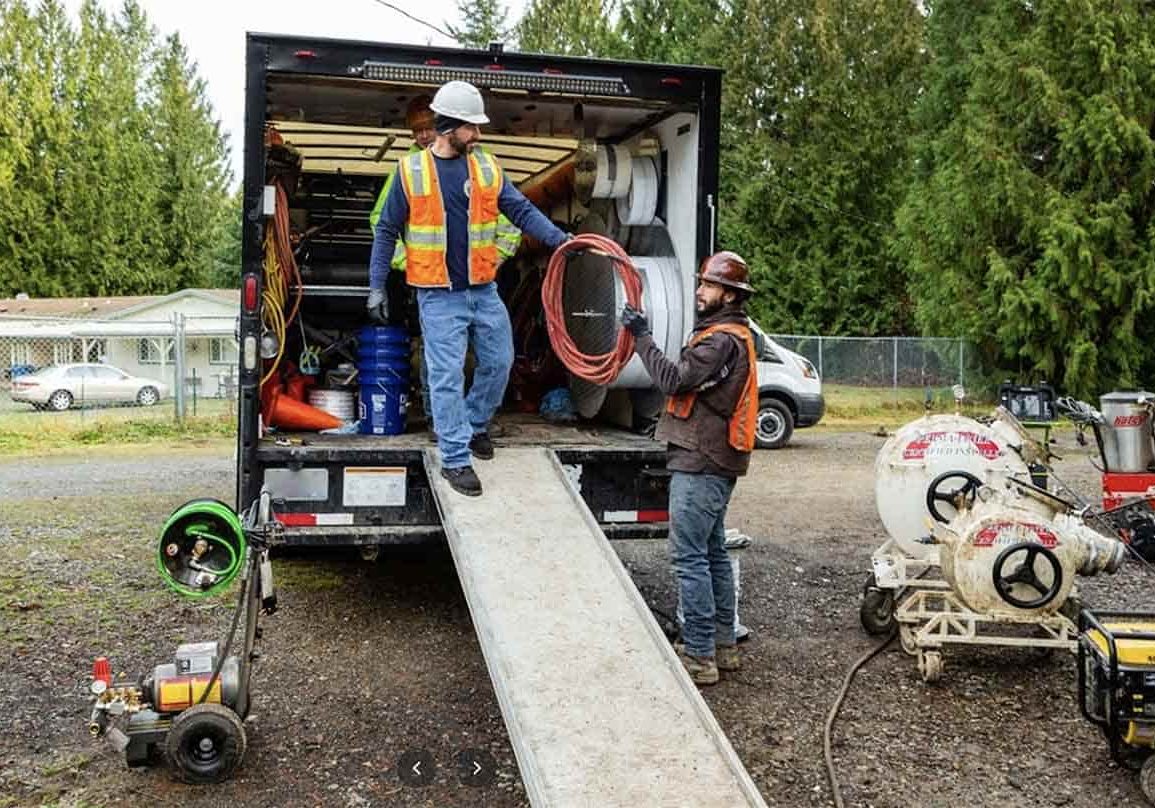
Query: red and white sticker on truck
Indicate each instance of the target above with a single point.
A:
(1008, 533)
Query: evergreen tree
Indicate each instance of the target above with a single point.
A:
(193, 181)
(1028, 224)
(571, 28)
(483, 21)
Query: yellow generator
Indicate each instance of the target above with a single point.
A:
(1117, 686)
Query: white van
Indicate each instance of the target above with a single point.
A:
(789, 392)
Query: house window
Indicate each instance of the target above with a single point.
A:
(149, 351)
(222, 351)
(21, 354)
(97, 351)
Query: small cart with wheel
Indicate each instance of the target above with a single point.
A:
(1117, 686)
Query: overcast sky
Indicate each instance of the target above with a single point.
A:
(214, 33)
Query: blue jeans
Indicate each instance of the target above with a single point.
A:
(450, 323)
(698, 505)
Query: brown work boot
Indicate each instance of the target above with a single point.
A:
(703, 670)
(728, 658)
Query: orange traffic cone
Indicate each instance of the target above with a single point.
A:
(288, 413)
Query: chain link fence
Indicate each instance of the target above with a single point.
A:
(72, 369)
(892, 362)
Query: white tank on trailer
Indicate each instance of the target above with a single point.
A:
(921, 451)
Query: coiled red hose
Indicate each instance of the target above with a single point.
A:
(597, 368)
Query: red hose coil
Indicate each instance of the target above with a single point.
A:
(597, 368)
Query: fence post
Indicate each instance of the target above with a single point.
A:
(961, 346)
(894, 378)
(178, 365)
(821, 372)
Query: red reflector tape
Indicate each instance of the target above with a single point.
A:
(314, 519)
(626, 517)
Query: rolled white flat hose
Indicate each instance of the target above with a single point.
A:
(665, 312)
(614, 169)
(640, 205)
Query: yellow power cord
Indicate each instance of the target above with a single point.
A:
(274, 296)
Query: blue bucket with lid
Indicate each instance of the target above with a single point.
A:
(383, 362)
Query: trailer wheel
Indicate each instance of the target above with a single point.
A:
(877, 610)
(1147, 778)
(206, 744)
(930, 666)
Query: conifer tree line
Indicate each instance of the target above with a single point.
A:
(974, 168)
(113, 169)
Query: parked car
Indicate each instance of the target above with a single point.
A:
(61, 386)
(789, 392)
(17, 370)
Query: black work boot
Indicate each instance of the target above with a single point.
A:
(481, 446)
(463, 480)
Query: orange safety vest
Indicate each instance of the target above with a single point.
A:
(426, 236)
(744, 421)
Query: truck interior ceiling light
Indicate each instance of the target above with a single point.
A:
(497, 79)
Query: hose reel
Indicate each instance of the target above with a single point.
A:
(202, 548)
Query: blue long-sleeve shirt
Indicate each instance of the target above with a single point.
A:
(452, 174)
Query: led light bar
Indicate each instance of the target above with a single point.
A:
(496, 79)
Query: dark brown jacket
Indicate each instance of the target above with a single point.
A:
(717, 368)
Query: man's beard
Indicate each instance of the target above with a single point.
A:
(460, 147)
(710, 309)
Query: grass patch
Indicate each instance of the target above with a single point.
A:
(306, 576)
(23, 436)
(859, 406)
(67, 763)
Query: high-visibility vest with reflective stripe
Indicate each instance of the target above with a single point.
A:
(398, 260)
(744, 420)
(426, 236)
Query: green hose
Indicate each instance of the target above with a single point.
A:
(203, 519)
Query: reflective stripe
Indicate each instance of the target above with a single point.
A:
(508, 237)
(416, 168)
(488, 168)
(416, 238)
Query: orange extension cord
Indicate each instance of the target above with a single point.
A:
(598, 368)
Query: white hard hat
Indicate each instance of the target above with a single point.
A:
(461, 100)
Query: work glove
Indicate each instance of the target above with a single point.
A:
(378, 307)
(635, 322)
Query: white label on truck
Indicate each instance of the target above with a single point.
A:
(381, 486)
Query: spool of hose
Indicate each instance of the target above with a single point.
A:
(640, 205)
(202, 548)
(614, 167)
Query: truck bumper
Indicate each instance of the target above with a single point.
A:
(811, 408)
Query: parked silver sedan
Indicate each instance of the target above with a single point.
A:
(62, 386)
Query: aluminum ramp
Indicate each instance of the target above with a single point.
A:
(598, 707)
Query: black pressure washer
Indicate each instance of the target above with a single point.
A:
(193, 708)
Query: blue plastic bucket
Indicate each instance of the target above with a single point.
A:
(383, 373)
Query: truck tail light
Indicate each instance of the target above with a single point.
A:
(249, 297)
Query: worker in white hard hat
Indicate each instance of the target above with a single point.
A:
(447, 207)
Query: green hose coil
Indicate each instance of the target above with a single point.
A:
(217, 524)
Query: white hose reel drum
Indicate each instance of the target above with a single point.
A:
(949, 451)
(614, 172)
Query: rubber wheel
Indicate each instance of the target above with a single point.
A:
(147, 396)
(930, 666)
(877, 611)
(205, 744)
(775, 424)
(60, 400)
(1147, 778)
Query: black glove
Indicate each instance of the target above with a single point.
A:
(635, 322)
(378, 306)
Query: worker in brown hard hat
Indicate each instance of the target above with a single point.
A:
(419, 118)
(708, 425)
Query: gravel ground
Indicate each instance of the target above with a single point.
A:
(369, 660)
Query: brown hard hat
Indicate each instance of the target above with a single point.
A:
(418, 115)
(726, 269)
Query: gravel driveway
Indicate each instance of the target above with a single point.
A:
(367, 661)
